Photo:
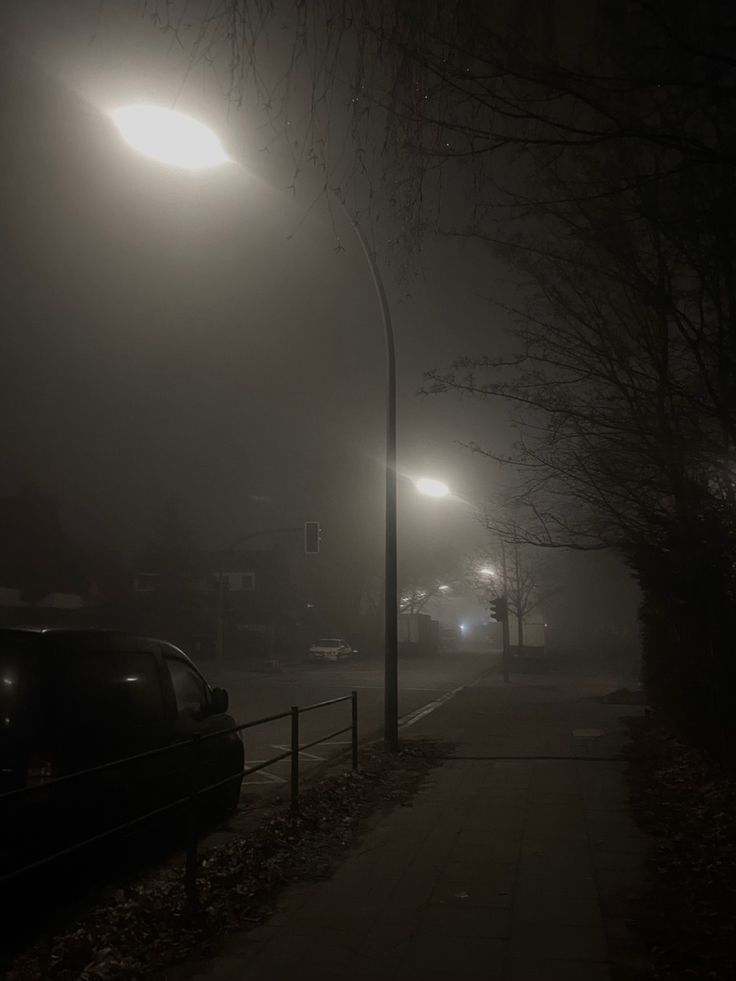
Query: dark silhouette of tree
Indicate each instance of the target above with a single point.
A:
(423, 572)
(529, 577)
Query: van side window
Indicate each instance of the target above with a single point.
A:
(190, 691)
(117, 699)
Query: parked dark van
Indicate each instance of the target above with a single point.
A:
(74, 699)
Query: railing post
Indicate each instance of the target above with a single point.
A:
(190, 873)
(294, 758)
(354, 725)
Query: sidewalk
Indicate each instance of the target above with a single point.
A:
(515, 869)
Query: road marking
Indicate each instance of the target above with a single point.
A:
(307, 756)
(377, 687)
(412, 717)
(255, 779)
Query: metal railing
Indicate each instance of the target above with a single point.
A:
(196, 792)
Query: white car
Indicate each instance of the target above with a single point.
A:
(330, 649)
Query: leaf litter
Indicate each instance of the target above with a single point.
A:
(688, 803)
(147, 925)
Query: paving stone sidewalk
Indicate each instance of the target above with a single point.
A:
(516, 861)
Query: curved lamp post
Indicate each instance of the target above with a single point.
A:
(180, 141)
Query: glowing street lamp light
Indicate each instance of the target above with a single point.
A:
(432, 488)
(487, 571)
(169, 137)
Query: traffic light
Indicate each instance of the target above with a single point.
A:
(499, 609)
(312, 537)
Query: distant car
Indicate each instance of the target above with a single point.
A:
(330, 649)
(72, 700)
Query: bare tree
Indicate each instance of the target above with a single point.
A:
(407, 98)
(424, 573)
(520, 572)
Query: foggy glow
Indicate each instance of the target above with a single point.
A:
(487, 571)
(444, 588)
(169, 137)
(432, 488)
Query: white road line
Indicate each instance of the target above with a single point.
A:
(412, 717)
(255, 778)
(377, 687)
(307, 756)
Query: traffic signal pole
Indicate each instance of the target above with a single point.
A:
(500, 613)
(506, 655)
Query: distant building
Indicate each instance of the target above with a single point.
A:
(257, 584)
(11, 598)
(256, 599)
(418, 633)
(41, 573)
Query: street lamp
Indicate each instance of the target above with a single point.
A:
(169, 137)
(432, 488)
(178, 140)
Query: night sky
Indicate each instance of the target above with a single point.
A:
(166, 332)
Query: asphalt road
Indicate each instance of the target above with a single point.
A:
(254, 695)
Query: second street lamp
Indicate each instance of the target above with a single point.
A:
(180, 141)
